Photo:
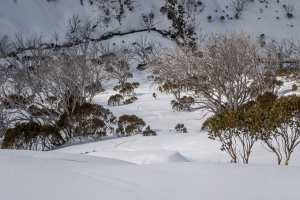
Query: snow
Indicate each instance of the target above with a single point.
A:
(34, 17)
(40, 17)
(49, 176)
(168, 146)
(256, 19)
(167, 166)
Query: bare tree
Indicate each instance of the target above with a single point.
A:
(220, 76)
(148, 20)
(79, 30)
(117, 66)
(282, 53)
(5, 46)
(33, 42)
(116, 9)
(193, 7)
(238, 7)
(145, 51)
(230, 65)
(3, 121)
(289, 9)
(173, 70)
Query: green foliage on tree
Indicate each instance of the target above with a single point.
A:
(274, 121)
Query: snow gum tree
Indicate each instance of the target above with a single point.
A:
(282, 135)
(274, 121)
(233, 130)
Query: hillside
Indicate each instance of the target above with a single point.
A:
(34, 17)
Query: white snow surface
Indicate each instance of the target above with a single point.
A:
(57, 176)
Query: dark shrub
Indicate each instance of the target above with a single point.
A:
(180, 128)
(289, 15)
(129, 125)
(209, 18)
(87, 120)
(163, 10)
(15, 101)
(176, 106)
(32, 136)
(115, 100)
(183, 104)
(127, 89)
(141, 67)
(130, 100)
(187, 102)
(149, 132)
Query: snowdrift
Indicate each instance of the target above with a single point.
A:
(48, 176)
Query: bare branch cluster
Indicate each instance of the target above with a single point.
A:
(221, 76)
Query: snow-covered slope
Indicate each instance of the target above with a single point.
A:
(168, 166)
(257, 18)
(168, 146)
(32, 17)
(35, 17)
(51, 176)
(41, 17)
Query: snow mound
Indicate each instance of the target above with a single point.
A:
(144, 157)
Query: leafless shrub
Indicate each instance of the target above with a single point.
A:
(148, 20)
(117, 66)
(145, 51)
(282, 53)
(79, 30)
(289, 10)
(5, 46)
(114, 9)
(238, 7)
(3, 121)
(33, 42)
(193, 6)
